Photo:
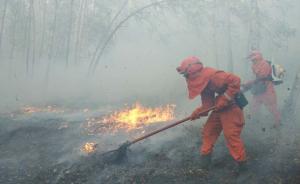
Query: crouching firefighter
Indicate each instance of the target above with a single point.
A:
(222, 90)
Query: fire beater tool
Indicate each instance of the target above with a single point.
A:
(118, 155)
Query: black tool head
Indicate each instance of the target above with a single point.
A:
(117, 156)
(121, 154)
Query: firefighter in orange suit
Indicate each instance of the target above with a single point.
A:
(216, 88)
(262, 87)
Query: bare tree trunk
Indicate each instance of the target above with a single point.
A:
(53, 33)
(94, 63)
(43, 25)
(28, 38)
(215, 42)
(13, 44)
(51, 43)
(100, 42)
(229, 38)
(69, 32)
(254, 33)
(79, 28)
(33, 35)
(3, 21)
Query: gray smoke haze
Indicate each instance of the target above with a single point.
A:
(140, 61)
(47, 47)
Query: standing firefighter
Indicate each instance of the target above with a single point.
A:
(228, 116)
(262, 87)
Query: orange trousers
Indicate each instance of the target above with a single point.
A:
(268, 99)
(231, 121)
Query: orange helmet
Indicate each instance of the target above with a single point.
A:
(255, 55)
(190, 66)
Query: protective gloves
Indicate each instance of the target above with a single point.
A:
(197, 113)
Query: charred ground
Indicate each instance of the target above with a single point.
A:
(38, 149)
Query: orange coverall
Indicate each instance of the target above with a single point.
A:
(230, 119)
(262, 69)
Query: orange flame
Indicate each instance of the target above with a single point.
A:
(89, 147)
(138, 114)
(131, 118)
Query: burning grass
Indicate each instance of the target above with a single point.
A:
(42, 150)
(89, 147)
(133, 118)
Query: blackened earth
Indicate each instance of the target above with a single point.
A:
(37, 150)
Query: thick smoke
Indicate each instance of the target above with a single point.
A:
(47, 47)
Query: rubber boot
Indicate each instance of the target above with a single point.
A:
(205, 161)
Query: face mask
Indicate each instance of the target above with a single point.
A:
(185, 73)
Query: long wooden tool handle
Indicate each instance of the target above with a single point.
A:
(168, 126)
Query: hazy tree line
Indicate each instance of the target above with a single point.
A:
(73, 31)
(34, 31)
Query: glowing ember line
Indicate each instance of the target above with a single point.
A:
(131, 118)
(31, 109)
(139, 114)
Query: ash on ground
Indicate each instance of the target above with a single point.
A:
(46, 150)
